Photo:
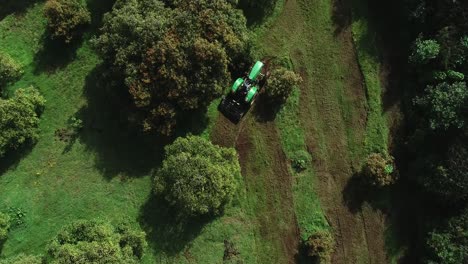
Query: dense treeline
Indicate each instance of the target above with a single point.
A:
(437, 97)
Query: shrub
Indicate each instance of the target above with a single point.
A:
(301, 160)
(19, 118)
(380, 170)
(4, 226)
(22, 259)
(96, 242)
(320, 245)
(175, 57)
(281, 84)
(65, 18)
(205, 182)
(10, 70)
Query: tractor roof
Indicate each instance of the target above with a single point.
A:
(256, 70)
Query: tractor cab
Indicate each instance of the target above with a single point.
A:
(242, 95)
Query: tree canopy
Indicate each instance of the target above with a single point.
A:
(19, 118)
(175, 55)
(205, 182)
(66, 17)
(96, 242)
(449, 244)
(9, 70)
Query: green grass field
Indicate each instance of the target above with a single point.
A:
(106, 171)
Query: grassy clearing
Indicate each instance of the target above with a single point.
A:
(364, 38)
(279, 39)
(377, 132)
(106, 171)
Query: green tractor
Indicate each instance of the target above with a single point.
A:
(243, 93)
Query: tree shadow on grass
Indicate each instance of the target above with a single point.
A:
(256, 13)
(13, 157)
(120, 148)
(55, 54)
(168, 231)
(110, 129)
(401, 205)
(8, 7)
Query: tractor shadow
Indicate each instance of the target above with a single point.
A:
(168, 231)
(265, 110)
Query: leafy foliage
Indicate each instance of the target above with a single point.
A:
(379, 170)
(19, 118)
(448, 177)
(4, 226)
(65, 18)
(281, 84)
(450, 244)
(424, 51)
(321, 245)
(446, 104)
(96, 242)
(22, 259)
(175, 57)
(205, 182)
(10, 71)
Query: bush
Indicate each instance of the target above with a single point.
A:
(4, 226)
(19, 118)
(205, 182)
(380, 170)
(281, 84)
(22, 259)
(10, 71)
(321, 245)
(301, 160)
(175, 57)
(65, 18)
(96, 242)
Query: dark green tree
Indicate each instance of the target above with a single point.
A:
(175, 57)
(446, 104)
(424, 51)
(449, 244)
(448, 178)
(66, 17)
(10, 70)
(96, 242)
(198, 177)
(19, 119)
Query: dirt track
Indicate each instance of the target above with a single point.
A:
(333, 114)
(270, 183)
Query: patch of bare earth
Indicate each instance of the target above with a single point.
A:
(270, 183)
(359, 233)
